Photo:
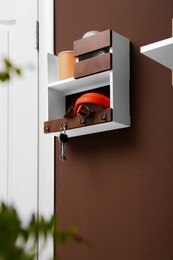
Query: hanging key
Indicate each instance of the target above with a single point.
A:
(63, 140)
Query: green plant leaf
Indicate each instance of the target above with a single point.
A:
(8, 70)
(4, 76)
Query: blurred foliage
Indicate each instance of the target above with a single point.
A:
(8, 70)
(18, 242)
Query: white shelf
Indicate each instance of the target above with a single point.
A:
(98, 128)
(161, 51)
(117, 79)
(71, 85)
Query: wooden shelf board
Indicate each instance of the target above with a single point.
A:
(161, 51)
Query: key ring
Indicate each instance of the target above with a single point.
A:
(83, 110)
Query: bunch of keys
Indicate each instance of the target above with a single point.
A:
(63, 138)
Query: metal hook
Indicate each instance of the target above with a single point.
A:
(63, 128)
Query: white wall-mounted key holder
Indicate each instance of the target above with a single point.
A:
(109, 71)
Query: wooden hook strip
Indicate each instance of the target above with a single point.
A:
(97, 117)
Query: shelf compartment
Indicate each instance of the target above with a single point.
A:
(96, 117)
(161, 51)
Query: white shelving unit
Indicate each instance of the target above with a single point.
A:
(161, 51)
(116, 79)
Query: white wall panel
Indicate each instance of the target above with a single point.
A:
(6, 51)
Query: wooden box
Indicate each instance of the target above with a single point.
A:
(93, 54)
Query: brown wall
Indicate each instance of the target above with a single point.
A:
(117, 187)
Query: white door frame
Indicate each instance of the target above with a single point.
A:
(46, 142)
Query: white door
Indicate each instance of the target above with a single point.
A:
(19, 107)
(26, 154)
